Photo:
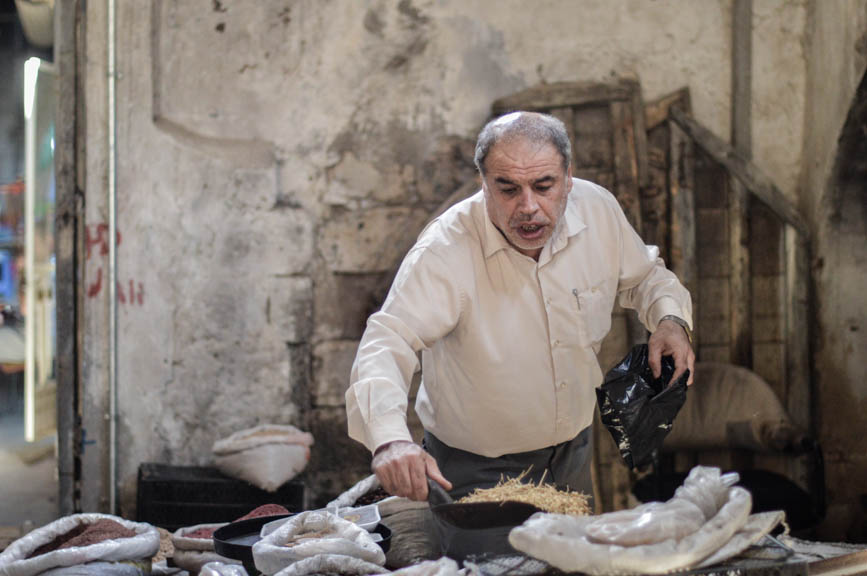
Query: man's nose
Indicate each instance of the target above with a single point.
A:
(528, 204)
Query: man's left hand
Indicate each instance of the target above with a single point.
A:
(670, 339)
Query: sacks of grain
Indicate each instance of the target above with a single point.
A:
(92, 543)
(310, 534)
(266, 456)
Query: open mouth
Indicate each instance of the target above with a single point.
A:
(530, 231)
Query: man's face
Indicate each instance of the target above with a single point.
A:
(525, 191)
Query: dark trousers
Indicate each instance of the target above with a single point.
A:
(566, 465)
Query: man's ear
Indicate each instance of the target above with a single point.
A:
(569, 172)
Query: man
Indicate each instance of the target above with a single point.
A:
(507, 296)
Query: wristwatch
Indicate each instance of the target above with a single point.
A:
(682, 324)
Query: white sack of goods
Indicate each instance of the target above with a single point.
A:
(266, 456)
(369, 491)
(332, 564)
(222, 569)
(653, 538)
(312, 533)
(194, 547)
(92, 543)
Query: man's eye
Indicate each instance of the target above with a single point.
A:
(508, 191)
(544, 188)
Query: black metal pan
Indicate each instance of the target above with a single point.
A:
(476, 515)
(474, 528)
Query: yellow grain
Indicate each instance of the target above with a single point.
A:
(543, 496)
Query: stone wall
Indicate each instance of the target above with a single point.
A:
(275, 160)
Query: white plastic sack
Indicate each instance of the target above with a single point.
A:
(359, 489)
(101, 569)
(266, 456)
(442, 567)
(181, 542)
(563, 542)
(331, 564)
(139, 548)
(222, 569)
(757, 526)
(699, 498)
(387, 506)
(312, 533)
(193, 560)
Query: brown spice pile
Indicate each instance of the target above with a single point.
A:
(85, 535)
(372, 496)
(543, 496)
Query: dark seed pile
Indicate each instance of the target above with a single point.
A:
(85, 535)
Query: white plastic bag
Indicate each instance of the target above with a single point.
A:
(699, 498)
(266, 456)
(387, 506)
(142, 547)
(181, 541)
(222, 569)
(193, 553)
(312, 533)
(332, 564)
(359, 489)
(442, 567)
(563, 541)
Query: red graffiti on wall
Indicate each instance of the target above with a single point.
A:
(96, 237)
(97, 234)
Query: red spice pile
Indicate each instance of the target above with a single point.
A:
(203, 533)
(264, 510)
(85, 535)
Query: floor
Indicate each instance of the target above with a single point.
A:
(28, 477)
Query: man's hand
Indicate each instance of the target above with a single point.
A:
(403, 468)
(670, 340)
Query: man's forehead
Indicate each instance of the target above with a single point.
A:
(521, 153)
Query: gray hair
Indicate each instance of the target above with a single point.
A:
(533, 126)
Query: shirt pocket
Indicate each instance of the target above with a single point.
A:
(594, 312)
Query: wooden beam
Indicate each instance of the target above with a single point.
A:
(740, 283)
(656, 112)
(625, 162)
(640, 132)
(561, 94)
(742, 75)
(797, 328)
(742, 169)
(66, 226)
(681, 182)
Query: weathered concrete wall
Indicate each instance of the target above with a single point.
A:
(276, 158)
(837, 52)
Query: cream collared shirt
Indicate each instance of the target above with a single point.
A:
(508, 345)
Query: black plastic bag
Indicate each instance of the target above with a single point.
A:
(637, 408)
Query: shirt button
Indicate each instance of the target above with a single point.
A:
(556, 343)
(562, 384)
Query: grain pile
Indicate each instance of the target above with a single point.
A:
(543, 496)
(85, 535)
(166, 547)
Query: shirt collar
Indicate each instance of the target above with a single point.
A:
(493, 240)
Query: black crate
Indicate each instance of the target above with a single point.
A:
(174, 496)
